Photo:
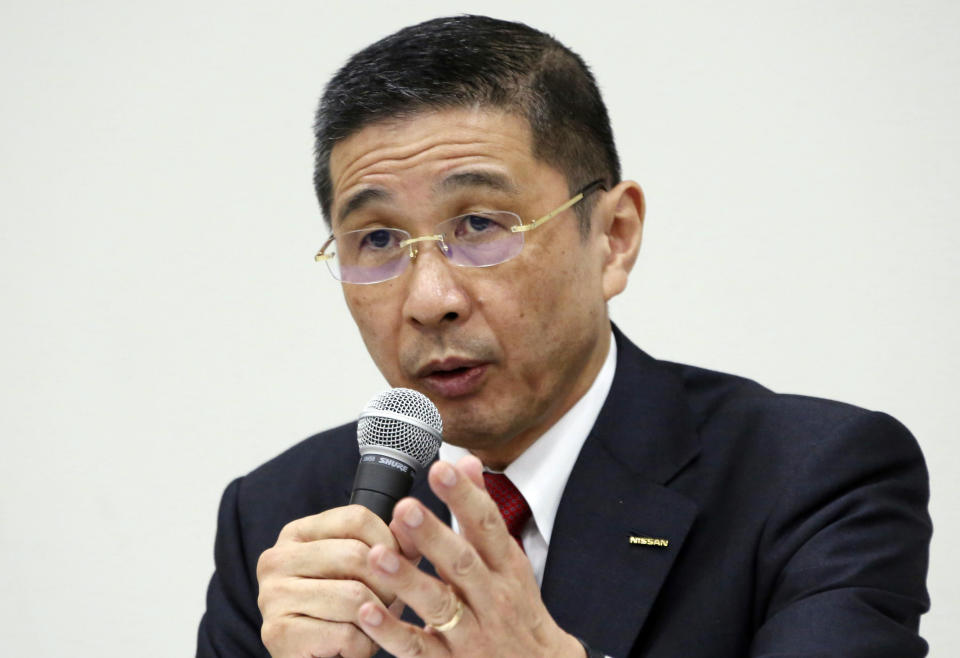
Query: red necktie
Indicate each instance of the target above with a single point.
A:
(508, 498)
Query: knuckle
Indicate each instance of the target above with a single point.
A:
(414, 645)
(355, 557)
(502, 598)
(267, 562)
(355, 516)
(443, 609)
(491, 520)
(290, 531)
(272, 633)
(355, 593)
(266, 597)
(466, 562)
(274, 595)
(262, 601)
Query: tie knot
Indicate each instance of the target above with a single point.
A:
(513, 507)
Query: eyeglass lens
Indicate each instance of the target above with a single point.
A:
(479, 239)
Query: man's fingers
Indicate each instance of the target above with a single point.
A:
(313, 581)
(349, 522)
(479, 517)
(404, 541)
(397, 637)
(296, 635)
(337, 559)
(473, 468)
(330, 558)
(332, 600)
(434, 601)
(455, 560)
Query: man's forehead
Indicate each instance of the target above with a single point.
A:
(453, 183)
(461, 148)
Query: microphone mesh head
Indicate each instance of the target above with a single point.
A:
(404, 420)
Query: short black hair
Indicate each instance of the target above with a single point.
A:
(464, 61)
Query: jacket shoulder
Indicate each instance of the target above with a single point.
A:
(732, 406)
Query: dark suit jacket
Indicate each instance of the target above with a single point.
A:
(794, 526)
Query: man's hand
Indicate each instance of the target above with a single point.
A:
(484, 572)
(314, 580)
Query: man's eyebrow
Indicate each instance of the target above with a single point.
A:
(362, 198)
(489, 179)
(463, 179)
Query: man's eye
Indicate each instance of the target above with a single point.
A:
(479, 222)
(379, 239)
(475, 225)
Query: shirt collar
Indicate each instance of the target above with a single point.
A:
(541, 472)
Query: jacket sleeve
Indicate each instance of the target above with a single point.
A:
(230, 627)
(845, 550)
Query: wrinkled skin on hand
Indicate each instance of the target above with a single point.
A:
(314, 580)
(484, 569)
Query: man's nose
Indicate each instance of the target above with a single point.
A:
(435, 294)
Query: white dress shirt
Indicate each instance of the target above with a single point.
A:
(541, 472)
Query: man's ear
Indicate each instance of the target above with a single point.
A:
(621, 221)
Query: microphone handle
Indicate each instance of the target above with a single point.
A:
(380, 482)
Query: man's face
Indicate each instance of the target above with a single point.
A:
(502, 351)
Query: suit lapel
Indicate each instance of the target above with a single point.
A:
(643, 437)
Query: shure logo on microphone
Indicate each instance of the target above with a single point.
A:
(393, 463)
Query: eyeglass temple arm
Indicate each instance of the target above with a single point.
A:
(553, 213)
(320, 254)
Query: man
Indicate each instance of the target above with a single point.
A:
(479, 226)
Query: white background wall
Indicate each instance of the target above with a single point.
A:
(165, 329)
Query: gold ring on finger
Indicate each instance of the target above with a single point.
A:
(453, 621)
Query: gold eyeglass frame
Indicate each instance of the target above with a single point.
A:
(521, 228)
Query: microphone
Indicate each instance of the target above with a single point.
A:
(399, 433)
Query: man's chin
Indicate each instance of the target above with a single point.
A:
(475, 432)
